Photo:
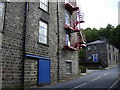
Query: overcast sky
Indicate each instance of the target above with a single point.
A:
(98, 13)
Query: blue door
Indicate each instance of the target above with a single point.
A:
(43, 71)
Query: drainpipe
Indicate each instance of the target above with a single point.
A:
(23, 46)
(58, 49)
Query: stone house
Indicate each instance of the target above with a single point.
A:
(102, 53)
(39, 43)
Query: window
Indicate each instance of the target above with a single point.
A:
(68, 67)
(95, 46)
(109, 46)
(42, 32)
(66, 1)
(95, 57)
(67, 39)
(89, 48)
(67, 18)
(114, 57)
(113, 48)
(109, 56)
(89, 57)
(2, 7)
(44, 4)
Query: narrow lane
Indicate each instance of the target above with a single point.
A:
(98, 79)
(104, 80)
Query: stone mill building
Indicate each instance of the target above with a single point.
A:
(39, 42)
(101, 53)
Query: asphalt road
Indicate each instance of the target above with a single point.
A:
(103, 79)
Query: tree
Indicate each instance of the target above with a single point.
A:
(82, 55)
(110, 33)
(91, 34)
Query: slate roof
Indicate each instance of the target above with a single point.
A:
(96, 42)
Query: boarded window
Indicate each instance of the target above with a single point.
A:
(68, 67)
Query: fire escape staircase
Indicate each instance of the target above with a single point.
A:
(71, 29)
(81, 42)
(70, 7)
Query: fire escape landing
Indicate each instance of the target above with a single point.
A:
(75, 28)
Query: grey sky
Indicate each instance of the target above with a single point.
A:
(99, 13)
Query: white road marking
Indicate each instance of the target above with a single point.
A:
(96, 78)
(113, 85)
(78, 86)
(106, 73)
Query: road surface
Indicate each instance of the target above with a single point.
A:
(103, 79)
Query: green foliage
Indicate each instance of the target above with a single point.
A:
(83, 69)
(82, 66)
(91, 34)
(110, 33)
(82, 54)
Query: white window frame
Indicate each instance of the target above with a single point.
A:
(67, 18)
(95, 56)
(43, 30)
(67, 1)
(44, 5)
(2, 13)
(68, 67)
(89, 48)
(67, 39)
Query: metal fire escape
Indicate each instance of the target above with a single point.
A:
(75, 28)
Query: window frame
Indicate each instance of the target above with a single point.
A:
(88, 47)
(67, 1)
(2, 16)
(69, 67)
(110, 56)
(68, 39)
(109, 46)
(89, 57)
(95, 56)
(95, 47)
(44, 5)
(67, 18)
(114, 57)
(113, 48)
(43, 35)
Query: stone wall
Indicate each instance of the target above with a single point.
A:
(32, 40)
(0, 60)
(31, 72)
(113, 53)
(103, 50)
(99, 49)
(53, 40)
(66, 54)
(12, 45)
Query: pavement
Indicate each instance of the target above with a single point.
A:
(100, 79)
(111, 67)
(88, 72)
(91, 71)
